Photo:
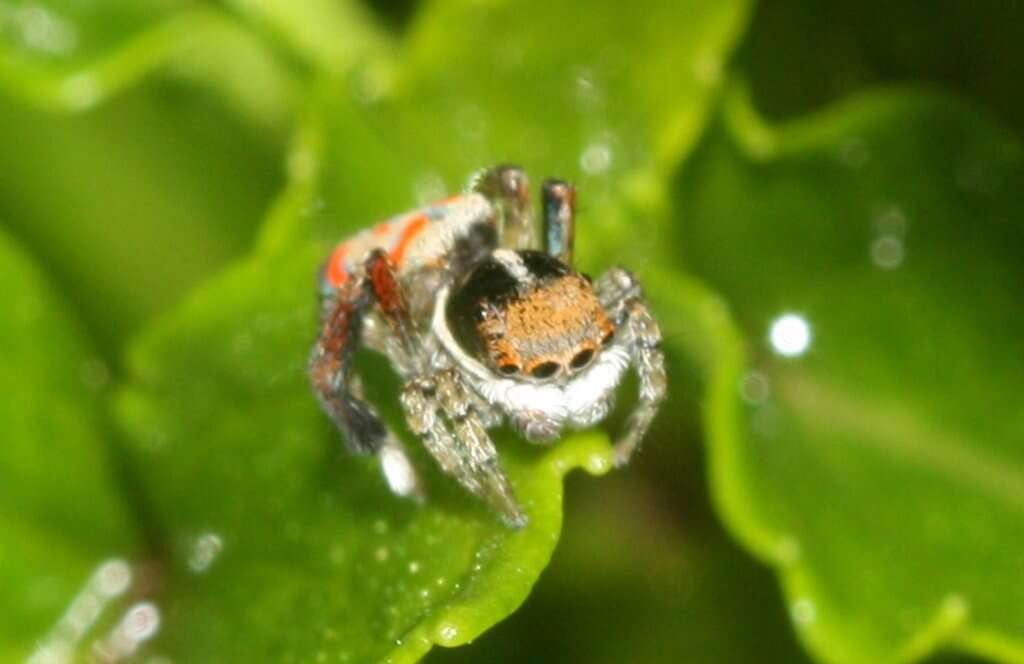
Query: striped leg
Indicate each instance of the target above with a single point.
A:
(622, 297)
(559, 210)
(439, 410)
(331, 373)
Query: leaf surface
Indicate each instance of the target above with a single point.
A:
(879, 466)
(61, 513)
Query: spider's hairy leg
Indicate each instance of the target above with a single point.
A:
(558, 207)
(393, 307)
(330, 369)
(439, 409)
(337, 388)
(507, 187)
(621, 295)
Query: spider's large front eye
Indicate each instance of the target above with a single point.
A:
(509, 368)
(581, 359)
(544, 370)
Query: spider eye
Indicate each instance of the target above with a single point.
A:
(581, 359)
(607, 339)
(509, 369)
(544, 370)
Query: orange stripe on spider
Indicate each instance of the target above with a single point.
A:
(336, 272)
(408, 233)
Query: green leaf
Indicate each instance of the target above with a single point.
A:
(797, 60)
(606, 96)
(318, 557)
(633, 84)
(651, 589)
(880, 471)
(152, 198)
(60, 513)
(226, 432)
(69, 55)
(332, 35)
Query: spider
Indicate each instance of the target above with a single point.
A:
(484, 322)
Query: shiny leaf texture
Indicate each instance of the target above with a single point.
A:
(318, 556)
(605, 96)
(157, 191)
(61, 513)
(660, 590)
(876, 461)
(70, 55)
(234, 447)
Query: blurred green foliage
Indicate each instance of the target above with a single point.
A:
(174, 172)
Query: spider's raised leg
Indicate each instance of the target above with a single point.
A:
(330, 368)
(622, 297)
(507, 187)
(439, 409)
(558, 205)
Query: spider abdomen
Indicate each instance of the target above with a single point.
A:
(421, 238)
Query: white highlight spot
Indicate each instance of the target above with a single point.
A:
(598, 464)
(398, 471)
(112, 577)
(448, 632)
(206, 549)
(596, 158)
(803, 612)
(790, 335)
(887, 252)
(140, 623)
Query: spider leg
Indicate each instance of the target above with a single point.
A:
(507, 187)
(622, 297)
(439, 409)
(331, 371)
(393, 307)
(559, 211)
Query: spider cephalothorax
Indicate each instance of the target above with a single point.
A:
(484, 324)
(526, 313)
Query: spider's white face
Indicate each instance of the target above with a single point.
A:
(577, 392)
(582, 400)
